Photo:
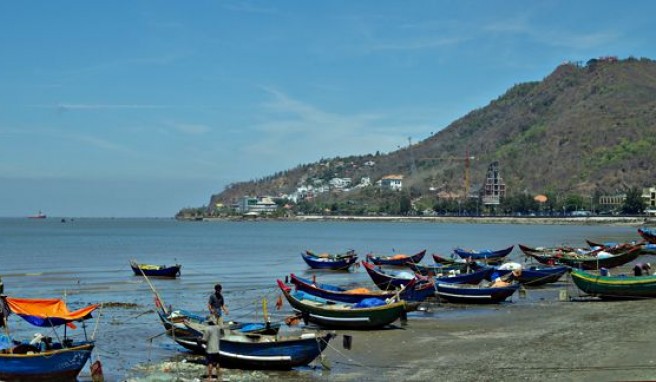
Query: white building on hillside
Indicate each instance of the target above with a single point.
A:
(392, 182)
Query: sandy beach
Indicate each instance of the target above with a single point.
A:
(536, 337)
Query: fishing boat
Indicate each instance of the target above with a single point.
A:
(326, 261)
(485, 255)
(615, 287)
(596, 260)
(40, 215)
(439, 259)
(368, 314)
(263, 352)
(389, 279)
(174, 323)
(151, 270)
(412, 292)
(440, 270)
(474, 294)
(536, 275)
(648, 234)
(396, 260)
(43, 358)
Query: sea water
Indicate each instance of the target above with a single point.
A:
(86, 261)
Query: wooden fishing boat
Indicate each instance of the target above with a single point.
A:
(43, 359)
(588, 262)
(412, 291)
(174, 323)
(325, 261)
(396, 260)
(387, 279)
(486, 255)
(258, 351)
(438, 259)
(536, 275)
(151, 270)
(648, 234)
(330, 314)
(474, 294)
(439, 270)
(615, 287)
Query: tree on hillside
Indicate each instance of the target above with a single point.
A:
(405, 204)
(633, 204)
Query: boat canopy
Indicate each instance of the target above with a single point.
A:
(47, 312)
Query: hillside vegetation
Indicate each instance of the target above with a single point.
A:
(588, 129)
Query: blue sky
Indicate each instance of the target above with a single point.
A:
(140, 108)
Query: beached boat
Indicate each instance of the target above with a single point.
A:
(389, 279)
(474, 294)
(615, 287)
(536, 275)
(440, 270)
(396, 260)
(412, 291)
(595, 261)
(174, 323)
(438, 259)
(368, 314)
(258, 351)
(648, 234)
(151, 270)
(326, 261)
(486, 255)
(42, 358)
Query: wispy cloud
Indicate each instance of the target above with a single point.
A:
(295, 132)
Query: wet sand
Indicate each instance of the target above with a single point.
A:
(535, 338)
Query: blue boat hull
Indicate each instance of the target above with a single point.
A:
(536, 276)
(274, 355)
(416, 293)
(53, 365)
(469, 294)
(169, 272)
(483, 255)
(336, 264)
(386, 279)
(398, 262)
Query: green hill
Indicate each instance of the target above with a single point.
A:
(588, 129)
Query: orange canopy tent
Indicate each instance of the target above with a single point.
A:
(47, 312)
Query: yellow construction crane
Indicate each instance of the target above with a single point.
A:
(467, 158)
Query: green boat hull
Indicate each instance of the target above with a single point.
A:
(356, 318)
(615, 286)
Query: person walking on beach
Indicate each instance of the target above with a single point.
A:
(211, 338)
(217, 306)
(642, 269)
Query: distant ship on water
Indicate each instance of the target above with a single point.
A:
(40, 215)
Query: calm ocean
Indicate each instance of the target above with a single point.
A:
(87, 260)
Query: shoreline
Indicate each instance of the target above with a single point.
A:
(579, 220)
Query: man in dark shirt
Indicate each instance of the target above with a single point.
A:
(217, 306)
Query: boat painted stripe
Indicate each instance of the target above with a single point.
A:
(463, 295)
(344, 319)
(256, 358)
(604, 280)
(247, 357)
